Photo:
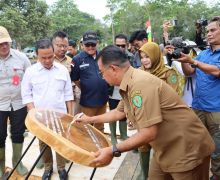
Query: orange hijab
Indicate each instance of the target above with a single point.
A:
(158, 67)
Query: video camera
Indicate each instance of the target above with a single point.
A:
(201, 33)
(202, 22)
(179, 46)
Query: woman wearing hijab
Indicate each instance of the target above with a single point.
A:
(152, 61)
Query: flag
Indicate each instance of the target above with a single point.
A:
(149, 34)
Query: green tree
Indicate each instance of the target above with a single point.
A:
(26, 20)
(130, 15)
(66, 16)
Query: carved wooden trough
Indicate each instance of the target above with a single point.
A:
(75, 142)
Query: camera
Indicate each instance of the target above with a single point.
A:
(202, 22)
(170, 23)
(179, 46)
(173, 22)
(182, 48)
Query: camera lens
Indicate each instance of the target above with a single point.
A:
(176, 53)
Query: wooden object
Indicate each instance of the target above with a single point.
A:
(16, 176)
(75, 142)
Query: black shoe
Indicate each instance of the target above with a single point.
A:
(63, 174)
(47, 174)
(214, 177)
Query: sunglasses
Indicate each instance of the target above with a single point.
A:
(121, 45)
(90, 44)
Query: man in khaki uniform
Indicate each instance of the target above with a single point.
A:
(182, 145)
(60, 44)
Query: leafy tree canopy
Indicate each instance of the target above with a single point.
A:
(29, 20)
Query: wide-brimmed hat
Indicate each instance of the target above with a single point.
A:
(4, 35)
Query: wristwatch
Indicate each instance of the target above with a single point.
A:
(195, 64)
(115, 151)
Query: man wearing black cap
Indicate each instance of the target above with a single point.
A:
(85, 74)
(72, 49)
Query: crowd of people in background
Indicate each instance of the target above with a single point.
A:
(168, 95)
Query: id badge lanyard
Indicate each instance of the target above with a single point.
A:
(16, 78)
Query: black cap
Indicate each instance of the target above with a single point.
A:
(72, 43)
(90, 37)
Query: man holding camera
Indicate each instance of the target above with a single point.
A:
(206, 101)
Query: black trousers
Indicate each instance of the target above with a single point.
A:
(113, 103)
(17, 119)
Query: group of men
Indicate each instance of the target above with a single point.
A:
(181, 140)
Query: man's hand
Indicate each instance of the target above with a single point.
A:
(103, 157)
(168, 49)
(82, 118)
(185, 58)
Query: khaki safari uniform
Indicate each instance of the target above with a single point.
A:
(182, 142)
(66, 61)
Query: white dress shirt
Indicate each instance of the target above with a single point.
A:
(47, 88)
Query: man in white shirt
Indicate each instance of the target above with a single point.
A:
(47, 84)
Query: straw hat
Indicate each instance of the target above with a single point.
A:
(4, 35)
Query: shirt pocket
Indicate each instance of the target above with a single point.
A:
(60, 82)
(18, 70)
(39, 85)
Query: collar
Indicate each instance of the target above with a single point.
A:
(126, 78)
(85, 54)
(129, 54)
(41, 67)
(213, 51)
(11, 53)
(60, 60)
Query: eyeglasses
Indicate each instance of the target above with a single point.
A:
(61, 46)
(102, 72)
(90, 44)
(121, 45)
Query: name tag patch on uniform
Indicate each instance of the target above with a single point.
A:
(137, 99)
(83, 66)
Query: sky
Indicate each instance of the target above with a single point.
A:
(98, 7)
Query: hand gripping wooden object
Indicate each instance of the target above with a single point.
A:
(73, 141)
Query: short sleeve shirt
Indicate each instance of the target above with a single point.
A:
(182, 141)
(206, 97)
(12, 69)
(94, 89)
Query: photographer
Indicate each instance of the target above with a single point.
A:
(206, 101)
(174, 51)
(200, 33)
